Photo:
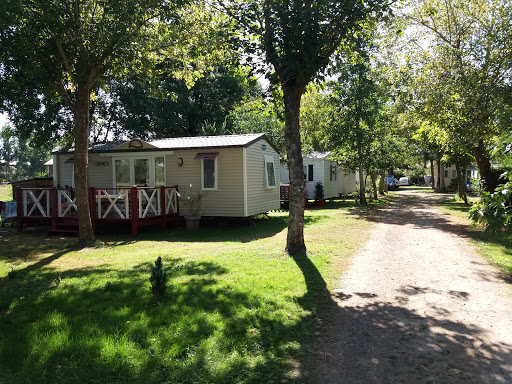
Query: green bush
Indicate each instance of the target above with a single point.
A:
(158, 278)
(319, 191)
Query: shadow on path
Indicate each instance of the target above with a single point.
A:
(377, 341)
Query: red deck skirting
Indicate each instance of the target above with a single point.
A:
(34, 206)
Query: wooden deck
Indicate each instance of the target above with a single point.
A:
(137, 206)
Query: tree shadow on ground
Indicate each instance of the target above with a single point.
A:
(238, 231)
(385, 343)
(414, 210)
(98, 324)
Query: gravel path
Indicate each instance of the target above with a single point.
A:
(418, 305)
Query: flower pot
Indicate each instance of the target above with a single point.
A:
(192, 223)
(320, 203)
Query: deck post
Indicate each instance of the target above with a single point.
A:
(135, 210)
(54, 209)
(19, 210)
(92, 209)
(163, 206)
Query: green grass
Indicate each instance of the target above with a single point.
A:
(5, 192)
(237, 309)
(495, 247)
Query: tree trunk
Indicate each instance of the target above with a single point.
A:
(488, 178)
(442, 185)
(295, 238)
(373, 176)
(382, 182)
(362, 186)
(81, 162)
(461, 184)
(438, 178)
(432, 174)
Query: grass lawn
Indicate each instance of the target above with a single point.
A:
(5, 192)
(237, 309)
(495, 247)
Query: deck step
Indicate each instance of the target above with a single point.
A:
(55, 231)
(61, 226)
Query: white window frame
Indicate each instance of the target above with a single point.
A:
(215, 188)
(269, 159)
(131, 159)
(333, 169)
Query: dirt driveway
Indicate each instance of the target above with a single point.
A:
(418, 305)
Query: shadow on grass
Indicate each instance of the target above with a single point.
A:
(99, 325)
(238, 231)
(416, 348)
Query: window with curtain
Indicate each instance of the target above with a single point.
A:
(209, 174)
(270, 176)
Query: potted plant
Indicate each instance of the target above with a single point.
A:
(193, 203)
(319, 194)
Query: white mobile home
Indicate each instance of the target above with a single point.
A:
(238, 173)
(348, 182)
(317, 168)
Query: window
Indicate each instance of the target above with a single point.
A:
(209, 173)
(122, 173)
(140, 172)
(310, 172)
(454, 173)
(159, 172)
(270, 176)
(333, 172)
(305, 173)
(141, 167)
(446, 173)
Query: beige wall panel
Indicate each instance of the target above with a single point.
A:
(330, 186)
(259, 198)
(228, 199)
(100, 176)
(346, 182)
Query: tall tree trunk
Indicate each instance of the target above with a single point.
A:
(460, 182)
(438, 178)
(295, 238)
(373, 176)
(381, 182)
(81, 162)
(488, 178)
(432, 179)
(442, 185)
(362, 186)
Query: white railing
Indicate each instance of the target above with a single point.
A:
(171, 201)
(116, 204)
(36, 202)
(65, 203)
(149, 202)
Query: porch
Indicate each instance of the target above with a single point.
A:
(136, 206)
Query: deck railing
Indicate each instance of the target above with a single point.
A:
(138, 205)
(36, 202)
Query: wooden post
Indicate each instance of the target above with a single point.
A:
(135, 211)
(92, 208)
(163, 212)
(19, 210)
(177, 217)
(55, 208)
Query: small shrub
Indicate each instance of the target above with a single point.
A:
(319, 191)
(158, 278)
